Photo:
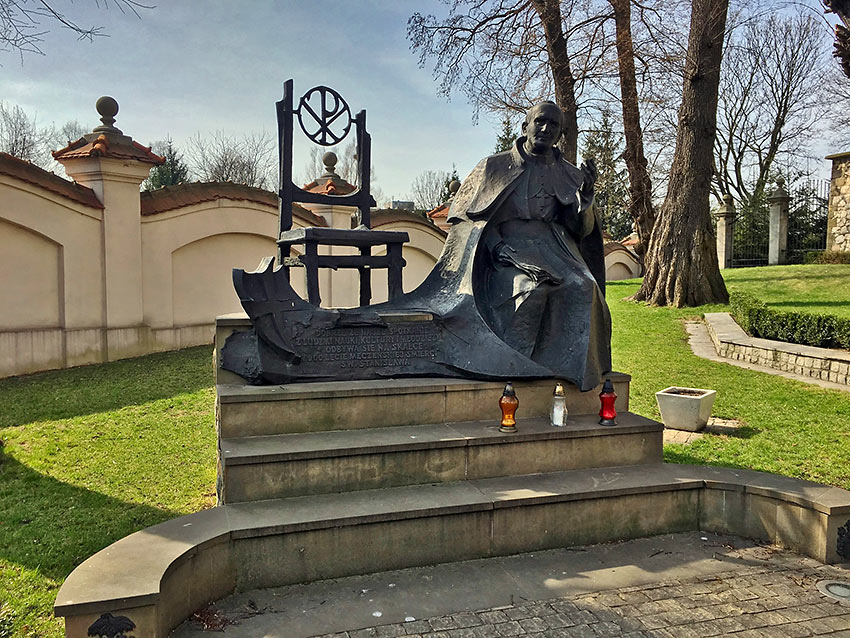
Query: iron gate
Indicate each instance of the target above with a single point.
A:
(807, 218)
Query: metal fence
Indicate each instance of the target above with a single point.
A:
(751, 235)
(807, 227)
(807, 218)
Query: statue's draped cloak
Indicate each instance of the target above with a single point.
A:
(463, 288)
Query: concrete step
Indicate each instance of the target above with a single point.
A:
(281, 466)
(245, 410)
(325, 536)
(178, 566)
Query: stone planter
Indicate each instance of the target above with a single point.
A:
(685, 408)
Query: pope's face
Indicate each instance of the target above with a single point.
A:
(542, 128)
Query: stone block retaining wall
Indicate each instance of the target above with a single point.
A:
(731, 342)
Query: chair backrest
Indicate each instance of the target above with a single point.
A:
(325, 118)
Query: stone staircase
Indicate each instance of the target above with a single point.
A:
(342, 478)
(324, 480)
(292, 463)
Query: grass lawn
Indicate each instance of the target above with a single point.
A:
(817, 288)
(92, 454)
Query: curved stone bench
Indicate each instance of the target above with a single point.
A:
(158, 576)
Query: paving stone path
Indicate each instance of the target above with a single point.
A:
(754, 602)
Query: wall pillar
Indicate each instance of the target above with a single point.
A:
(725, 231)
(838, 223)
(779, 201)
(114, 166)
(339, 288)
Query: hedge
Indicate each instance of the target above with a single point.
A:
(827, 257)
(806, 328)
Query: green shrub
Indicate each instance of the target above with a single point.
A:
(754, 316)
(828, 257)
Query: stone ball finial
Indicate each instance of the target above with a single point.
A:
(780, 182)
(454, 187)
(727, 199)
(329, 159)
(107, 108)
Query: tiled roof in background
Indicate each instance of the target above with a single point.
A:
(172, 197)
(32, 174)
(102, 147)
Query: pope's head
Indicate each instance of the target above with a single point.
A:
(542, 127)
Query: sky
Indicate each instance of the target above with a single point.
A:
(189, 66)
(199, 66)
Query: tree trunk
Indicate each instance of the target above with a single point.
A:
(562, 76)
(841, 8)
(681, 259)
(640, 184)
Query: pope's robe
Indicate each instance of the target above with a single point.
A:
(519, 287)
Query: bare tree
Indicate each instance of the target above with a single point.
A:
(250, 159)
(510, 54)
(20, 135)
(428, 189)
(346, 166)
(24, 23)
(772, 97)
(70, 131)
(507, 55)
(640, 183)
(681, 261)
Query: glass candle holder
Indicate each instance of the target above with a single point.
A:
(508, 404)
(607, 413)
(559, 407)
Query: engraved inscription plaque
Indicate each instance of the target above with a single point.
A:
(396, 345)
(321, 350)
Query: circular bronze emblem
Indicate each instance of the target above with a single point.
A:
(327, 114)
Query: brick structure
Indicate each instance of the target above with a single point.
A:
(838, 226)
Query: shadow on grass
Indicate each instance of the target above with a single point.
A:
(52, 527)
(681, 455)
(62, 394)
(743, 432)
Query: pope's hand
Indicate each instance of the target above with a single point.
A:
(588, 169)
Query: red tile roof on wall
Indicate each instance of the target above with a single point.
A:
(384, 216)
(101, 146)
(441, 212)
(172, 197)
(330, 187)
(32, 174)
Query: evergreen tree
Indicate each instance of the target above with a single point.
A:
(507, 136)
(173, 171)
(605, 146)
